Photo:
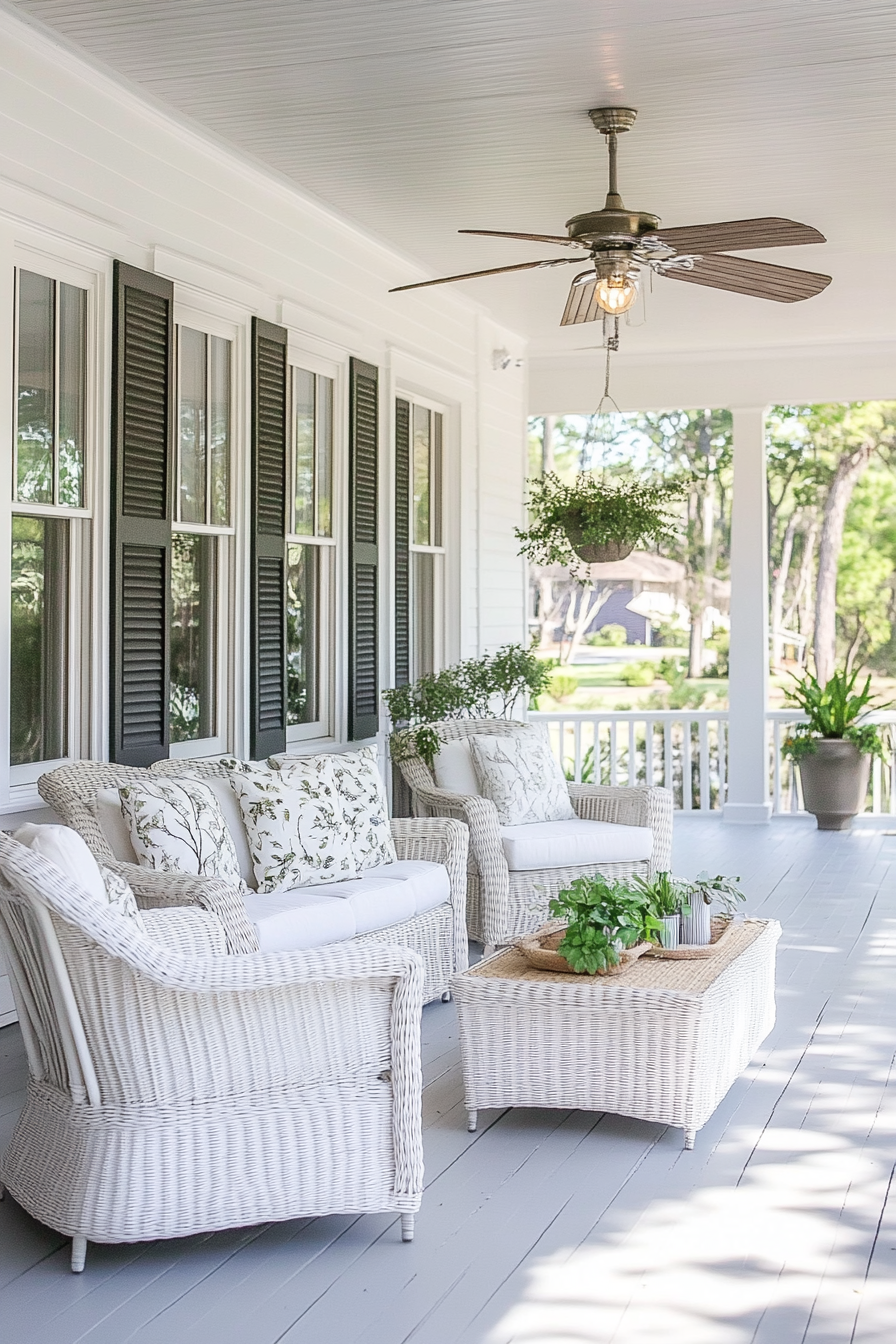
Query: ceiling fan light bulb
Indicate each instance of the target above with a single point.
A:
(616, 293)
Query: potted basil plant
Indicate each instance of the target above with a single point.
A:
(833, 748)
(603, 919)
(596, 519)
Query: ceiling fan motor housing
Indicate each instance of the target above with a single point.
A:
(620, 228)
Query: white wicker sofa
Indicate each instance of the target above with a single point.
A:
(175, 1089)
(418, 903)
(514, 870)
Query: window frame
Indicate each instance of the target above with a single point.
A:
(84, 524)
(333, 643)
(439, 553)
(226, 559)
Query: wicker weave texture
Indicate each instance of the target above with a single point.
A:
(502, 905)
(439, 936)
(172, 1094)
(651, 1053)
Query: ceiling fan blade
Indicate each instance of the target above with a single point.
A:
(529, 237)
(494, 270)
(737, 235)
(784, 284)
(581, 305)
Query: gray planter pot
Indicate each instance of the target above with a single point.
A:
(669, 931)
(696, 928)
(835, 782)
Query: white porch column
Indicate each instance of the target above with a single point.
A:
(748, 799)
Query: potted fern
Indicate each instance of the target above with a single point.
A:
(595, 519)
(834, 747)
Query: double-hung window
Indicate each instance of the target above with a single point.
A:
(310, 557)
(50, 536)
(427, 553)
(201, 544)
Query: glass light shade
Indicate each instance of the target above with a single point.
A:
(616, 293)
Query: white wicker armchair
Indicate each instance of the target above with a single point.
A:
(501, 904)
(439, 936)
(174, 1093)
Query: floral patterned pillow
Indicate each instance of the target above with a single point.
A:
(298, 835)
(522, 777)
(178, 827)
(120, 896)
(366, 808)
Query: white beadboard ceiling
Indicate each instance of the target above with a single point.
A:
(418, 117)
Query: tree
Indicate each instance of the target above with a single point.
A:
(818, 455)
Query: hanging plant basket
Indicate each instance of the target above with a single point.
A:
(594, 553)
(596, 520)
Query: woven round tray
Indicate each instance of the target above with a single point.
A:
(720, 926)
(539, 949)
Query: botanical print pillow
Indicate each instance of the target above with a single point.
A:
(366, 808)
(120, 896)
(178, 827)
(298, 836)
(522, 777)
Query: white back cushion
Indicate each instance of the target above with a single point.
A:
(453, 768)
(113, 825)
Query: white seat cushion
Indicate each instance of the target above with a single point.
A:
(566, 844)
(308, 917)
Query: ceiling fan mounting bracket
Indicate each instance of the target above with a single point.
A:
(618, 119)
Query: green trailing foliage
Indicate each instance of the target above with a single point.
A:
(473, 689)
(833, 712)
(597, 510)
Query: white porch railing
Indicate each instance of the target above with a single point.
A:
(687, 752)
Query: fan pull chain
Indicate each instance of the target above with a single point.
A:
(612, 343)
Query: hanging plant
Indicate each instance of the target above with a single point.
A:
(595, 520)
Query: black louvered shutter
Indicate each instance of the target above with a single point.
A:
(142, 463)
(363, 672)
(402, 542)
(268, 626)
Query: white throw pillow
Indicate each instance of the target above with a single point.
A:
(68, 852)
(522, 777)
(178, 827)
(453, 768)
(119, 895)
(297, 832)
(232, 814)
(365, 807)
(66, 849)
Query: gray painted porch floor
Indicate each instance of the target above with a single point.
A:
(550, 1226)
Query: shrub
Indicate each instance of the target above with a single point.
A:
(638, 674)
(563, 687)
(614, 636)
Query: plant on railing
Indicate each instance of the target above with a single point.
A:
(833, 712)
(595, 519)
(602, 918)
(473, 689)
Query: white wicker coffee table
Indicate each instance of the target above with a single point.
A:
(662, 1041)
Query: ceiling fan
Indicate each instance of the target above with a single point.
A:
(623, 244)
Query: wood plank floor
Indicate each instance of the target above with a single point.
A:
(555, 1226)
